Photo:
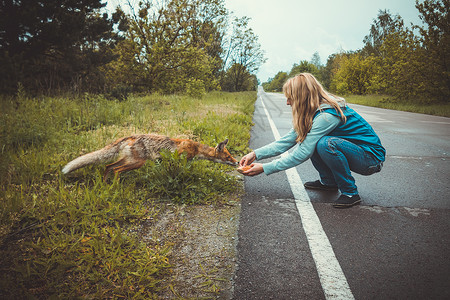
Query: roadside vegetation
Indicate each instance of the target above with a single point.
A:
(407, 68)
(78, 236)
(75, 77)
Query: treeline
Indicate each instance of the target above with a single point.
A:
(409, 64)
(174, 46)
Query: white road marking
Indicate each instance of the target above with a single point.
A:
(435, 122)
(415, 212)
(371, 118)
(332, 278)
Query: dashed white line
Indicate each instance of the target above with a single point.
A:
(332, 278)
(436, 122)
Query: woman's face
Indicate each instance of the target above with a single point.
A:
(289, 102)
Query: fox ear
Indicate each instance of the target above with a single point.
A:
(221, 146)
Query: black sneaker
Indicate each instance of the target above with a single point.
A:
(317, 185)
(345, 201)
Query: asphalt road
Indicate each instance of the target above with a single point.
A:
(395, 245)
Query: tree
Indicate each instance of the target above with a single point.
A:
(171, 47)
(238, 78)
(315, 60)
(382, 26)
(276, 85)
(398, 69)
(326, 71)
(355, 74)
(416, 68)
(305, 67)
(334, 64)
(435, 42)
(242, 52)
(50, 45)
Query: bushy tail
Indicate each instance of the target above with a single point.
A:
(100, 156)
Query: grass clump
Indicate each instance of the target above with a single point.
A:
(187, 182)
(74, 242)
(78, 236)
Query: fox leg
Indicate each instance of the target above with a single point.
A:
(123, 165)
(129, 166)
(112, 166)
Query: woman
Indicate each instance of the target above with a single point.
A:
(334, 136)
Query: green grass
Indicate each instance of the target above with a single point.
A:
(77, 236)
(437, 109)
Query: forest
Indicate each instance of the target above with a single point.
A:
(193, 47)
(405, 63)
(76, 46)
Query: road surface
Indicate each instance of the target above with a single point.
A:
(395, 245)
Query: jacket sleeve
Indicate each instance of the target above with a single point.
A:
(323, 124)
(275, 148)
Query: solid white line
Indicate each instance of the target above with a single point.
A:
(332, 278)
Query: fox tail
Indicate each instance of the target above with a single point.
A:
(100, 156)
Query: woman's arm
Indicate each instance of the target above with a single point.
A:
(323, 124)
(275, 148)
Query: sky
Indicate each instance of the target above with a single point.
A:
(290, 31)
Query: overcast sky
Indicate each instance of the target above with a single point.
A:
(292, 30)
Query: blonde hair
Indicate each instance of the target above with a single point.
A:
(306, 95)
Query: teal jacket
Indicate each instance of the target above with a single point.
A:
(326, 123)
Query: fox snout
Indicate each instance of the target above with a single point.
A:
(228, 162)
(232, 163)
(226, 158)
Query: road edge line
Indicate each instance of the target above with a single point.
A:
(332, 278)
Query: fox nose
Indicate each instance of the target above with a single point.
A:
(233, 163)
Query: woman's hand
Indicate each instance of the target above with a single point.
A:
(255, 170)
(247, 159)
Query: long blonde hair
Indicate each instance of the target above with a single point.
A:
(306, 95)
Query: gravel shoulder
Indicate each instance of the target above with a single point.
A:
(203, 242)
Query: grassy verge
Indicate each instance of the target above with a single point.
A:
(75, 236)
(442, 109)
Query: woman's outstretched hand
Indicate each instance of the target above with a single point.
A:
(247, 159)
(255, 169)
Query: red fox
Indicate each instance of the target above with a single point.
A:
(135, 150)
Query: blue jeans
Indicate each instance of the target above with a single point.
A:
(335, 158)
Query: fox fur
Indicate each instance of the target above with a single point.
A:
(135, 150)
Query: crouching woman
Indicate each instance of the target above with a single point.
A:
(327, 131)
